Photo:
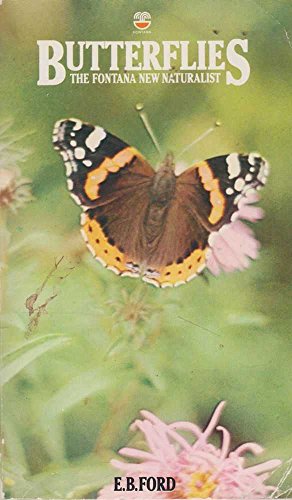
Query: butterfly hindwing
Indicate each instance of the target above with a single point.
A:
(103, 248)
(181, 250)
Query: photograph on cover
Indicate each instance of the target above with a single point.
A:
(145, 249)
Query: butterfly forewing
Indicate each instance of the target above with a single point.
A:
(90, 155)
(213, 188)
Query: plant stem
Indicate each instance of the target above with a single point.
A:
(110, 429)
(4, 244)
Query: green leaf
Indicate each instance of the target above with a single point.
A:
(14, 445)
(248, 319)
(53, 439)
(14, 320)
(73, 481)
(13, 474)
(80, 387)
(150, 371)
(19, 358)
(35, 241)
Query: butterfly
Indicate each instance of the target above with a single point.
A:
(139, 222)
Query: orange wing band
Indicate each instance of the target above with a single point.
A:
(178, 274)
(216, 197)
(106, 253)
(109, 165)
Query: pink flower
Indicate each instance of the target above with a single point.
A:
(235, 243)
(15, 190)
(200, 469)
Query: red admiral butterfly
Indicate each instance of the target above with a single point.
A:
(140, 222)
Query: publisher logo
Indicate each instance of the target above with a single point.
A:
(142, 20)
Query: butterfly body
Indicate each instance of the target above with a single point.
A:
(164, 181)
(161, 193)
(140, 222)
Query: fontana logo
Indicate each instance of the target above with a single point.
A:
(142, 20)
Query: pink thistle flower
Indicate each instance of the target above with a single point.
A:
(234, 244)
(15, 190)
(200, 469)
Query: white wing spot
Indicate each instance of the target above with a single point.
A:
(64, 155)
(84, 234)
(263, 172)
(191, 277)
(91, 249)
(233, 165)
(79, 153)
(83, 219)
(87, 163)
(102, 262)
(131, 275)
(133, 267)
(76, 199)
(151, 274)
(68, 168)
(200, 268)
(113, 269)
(179, 283)
(94, 139)
(239, 184)
(73, 143)
(166, 284)
(78, 124)
(229, 191)
(149, 280)
(252, 157)
(237, 200)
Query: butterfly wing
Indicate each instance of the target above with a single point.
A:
(208, 196)
(91, 155)
(216, 187)
(110, 180)
(181, 251)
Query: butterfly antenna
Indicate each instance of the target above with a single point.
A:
(143, 115)
(200, 138)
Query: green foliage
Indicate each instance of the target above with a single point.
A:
(105, 347)
(17, 359)
(76, 480)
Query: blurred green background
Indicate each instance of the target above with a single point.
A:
(107, 347)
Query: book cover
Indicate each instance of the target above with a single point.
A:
(145, 249)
